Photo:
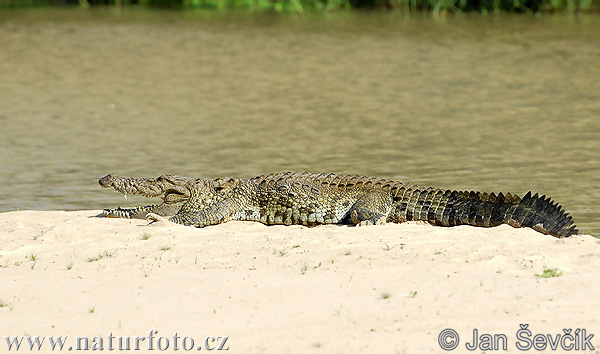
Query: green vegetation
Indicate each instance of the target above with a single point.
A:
(433, 6)
(549, 273)
(338, 310)
(385, 296)
(105, 254)
(304, 268)
(109, 254)
(282, 252)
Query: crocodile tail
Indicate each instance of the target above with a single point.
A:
(451, 208)
(541, 214)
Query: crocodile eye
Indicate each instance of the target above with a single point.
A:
(173, 197)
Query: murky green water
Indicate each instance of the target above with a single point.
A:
(497, 104)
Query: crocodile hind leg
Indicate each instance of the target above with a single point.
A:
(371, 209)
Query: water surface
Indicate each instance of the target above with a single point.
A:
(505, 103)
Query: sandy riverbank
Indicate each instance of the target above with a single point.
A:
(289, 289)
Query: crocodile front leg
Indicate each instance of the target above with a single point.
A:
(215, 214)
(141, 211)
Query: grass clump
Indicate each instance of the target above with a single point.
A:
(338, 310)
(282, 252)
(303, 268)
(550, 273)
(105, 254)
(94, 259)
(109, 254)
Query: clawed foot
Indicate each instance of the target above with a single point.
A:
(375, 221)
(155, 217)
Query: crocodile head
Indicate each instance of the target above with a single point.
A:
(175, 192)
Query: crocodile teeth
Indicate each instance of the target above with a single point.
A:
(125, 195)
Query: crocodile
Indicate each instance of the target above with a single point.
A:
(310, 199)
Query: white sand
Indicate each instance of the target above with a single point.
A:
(289, 289)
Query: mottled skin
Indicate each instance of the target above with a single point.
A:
(311, 199)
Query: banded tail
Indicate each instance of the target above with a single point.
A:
(451, 208)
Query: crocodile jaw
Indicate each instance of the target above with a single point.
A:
(148, 187)
(172, 189)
